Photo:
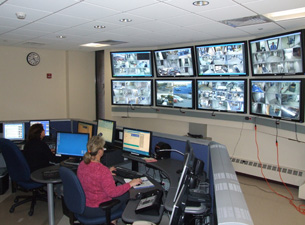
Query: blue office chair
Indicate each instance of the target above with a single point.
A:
(75, 200)
(19, 171)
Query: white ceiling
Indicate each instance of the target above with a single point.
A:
(155, 23)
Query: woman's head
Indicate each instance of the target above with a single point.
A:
(94, 144)
(36, 131)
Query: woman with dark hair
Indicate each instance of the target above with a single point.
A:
(36, 151)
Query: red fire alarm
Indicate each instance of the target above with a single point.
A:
(49, 75)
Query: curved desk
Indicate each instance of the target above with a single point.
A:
(38, 177)
(169, 167)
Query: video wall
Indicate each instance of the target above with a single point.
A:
(216, 77)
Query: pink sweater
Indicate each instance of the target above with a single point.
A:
(98, 183)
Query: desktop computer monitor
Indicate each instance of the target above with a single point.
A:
(107, 129)
(137, 142)
(14, 131)
(71, 144)
(85, 128)
(45, 124)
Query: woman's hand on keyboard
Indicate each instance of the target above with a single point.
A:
(135, 182)
(112, 169)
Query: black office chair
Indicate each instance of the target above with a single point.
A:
(19, 172)
(75, 200)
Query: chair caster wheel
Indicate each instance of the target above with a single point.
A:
(12, 210)
(31, 213)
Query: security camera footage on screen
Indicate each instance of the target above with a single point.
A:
(279, 99)
(224, 59)
(132, 92)
(221, 95)
(174, 62)
(125, 64)
(277, 55)
(178, 93)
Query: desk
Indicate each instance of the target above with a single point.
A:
(37, 176)
(169, 167)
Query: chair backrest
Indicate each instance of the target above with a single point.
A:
(74, 195)
(15, 161)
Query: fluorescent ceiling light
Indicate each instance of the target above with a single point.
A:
(95, 45)
(287, 14)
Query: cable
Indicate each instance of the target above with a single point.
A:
(242, 127)
(300, 208)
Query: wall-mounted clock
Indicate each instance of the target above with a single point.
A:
(33, 58)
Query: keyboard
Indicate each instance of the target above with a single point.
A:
(72, 161)
(50, 174)
(127, 173)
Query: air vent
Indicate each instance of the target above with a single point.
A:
(111, 42)
(246, 21)
(33, 44)
(268, 167)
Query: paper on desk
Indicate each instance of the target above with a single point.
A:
(145, 183)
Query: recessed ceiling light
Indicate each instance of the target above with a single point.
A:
(200, 3)
(61, 36)
(287, 14)
(99, 27)
(125, 20)
(20, 15)
(95, 45)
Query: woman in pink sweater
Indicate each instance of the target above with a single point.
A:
(97, 180)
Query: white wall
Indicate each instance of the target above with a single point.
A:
(26, 93)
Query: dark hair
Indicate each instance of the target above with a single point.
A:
(35, 131)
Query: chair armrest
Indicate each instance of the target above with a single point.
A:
(109, 204)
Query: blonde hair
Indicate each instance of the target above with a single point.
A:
(93, 146)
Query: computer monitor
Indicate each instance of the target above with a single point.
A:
(137, 141)
(175, 93)
(85, 128)
(281, 54)
(278, 98)
(45, 124)
(107, 128)
(131, 92)
(223, 59)
(14, 131)
(131, 64)
(222, 95)
(175, 62)
(187, 166)
(71, 144)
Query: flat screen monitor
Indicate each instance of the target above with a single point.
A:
(131, 92)
(71, 144)
(132, 64)
(14, 131)
(222, 95)
(226, 59)
(85, 128)
(281, 54)
(108, 129)
(186, 169)
(175, 62)
(137, 141)
(45, 124)
(279, 99)
(175, 93)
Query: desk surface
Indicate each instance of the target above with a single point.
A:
(169, 167)
(38, 175)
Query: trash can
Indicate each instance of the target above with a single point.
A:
(4, 181)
